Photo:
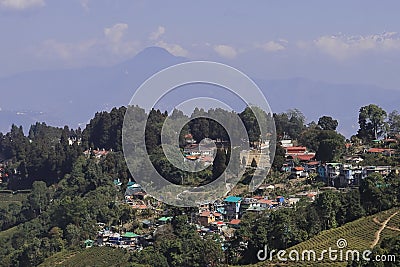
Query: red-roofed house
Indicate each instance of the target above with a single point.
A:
(299, 172)
(375, 150)
(311, 166)
(189, 139)
(96, 153)
(265, 203)
(311, 196)
(234, 223)
(385, 151)
(304, 157)
(298, 152)
(207, 217)
(295, 150)
(390, 140)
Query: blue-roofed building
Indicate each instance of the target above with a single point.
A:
(117, 182)
(232, 207)
(233, 199)
(133, 188)
(280, 200)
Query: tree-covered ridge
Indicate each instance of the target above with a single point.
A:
(45, 154)
(72, 189)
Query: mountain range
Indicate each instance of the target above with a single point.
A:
(72, 96)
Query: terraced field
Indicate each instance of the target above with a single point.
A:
(395, 222)
(7, 198)
(358, 235)
(95, 256)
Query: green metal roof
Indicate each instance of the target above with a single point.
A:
(88, 242)
(129, 234)
(164, 219)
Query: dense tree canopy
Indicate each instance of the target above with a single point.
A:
(328, 144)
(394, 123)
(290, 123)
(328, 123)
(70, 192)
(371, 120)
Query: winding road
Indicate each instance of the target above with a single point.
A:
(383, 226)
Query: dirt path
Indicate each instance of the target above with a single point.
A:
(66, 258)
(393, 228)
(378, 233)
(376, 221)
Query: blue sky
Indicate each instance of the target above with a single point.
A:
(336, 41)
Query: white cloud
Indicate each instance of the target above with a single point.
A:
(273, 46)
(85, 4)
(157, 34)
(342, 47)
(114, 36)
(174, 49)
(225, 51)
(333, 46)
(112, 47)
(21, 4)
(116, 32)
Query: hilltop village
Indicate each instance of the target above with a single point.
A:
(73, 191)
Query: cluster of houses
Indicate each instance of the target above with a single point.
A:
(128, 240)
(96, 153)
(223, 216)
(301, 163)
(135, 196)
(203, 152)
(338, 174)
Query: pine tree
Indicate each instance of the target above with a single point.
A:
(254, 163)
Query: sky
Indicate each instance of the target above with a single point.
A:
(336, 41)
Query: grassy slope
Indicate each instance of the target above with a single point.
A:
(358, 234)
(13, 197)
(7, 234)
(95, 256)
(7, 199)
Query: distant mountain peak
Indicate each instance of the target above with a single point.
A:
(154, 50)
(154, 53)
(153, 57)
